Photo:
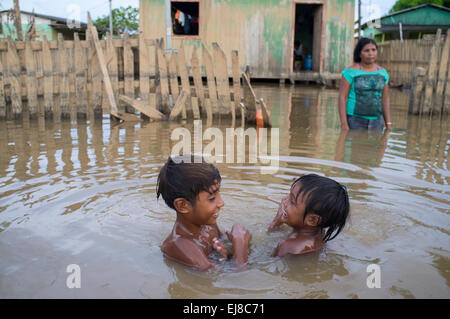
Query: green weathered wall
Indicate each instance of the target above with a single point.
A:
(41, 29)
(261, 30)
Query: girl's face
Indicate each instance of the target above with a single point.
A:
(293, 209)
(369, 53)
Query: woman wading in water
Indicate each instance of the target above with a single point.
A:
(364, 93)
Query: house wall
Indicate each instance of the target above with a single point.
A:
(42, 27)
(261, 30)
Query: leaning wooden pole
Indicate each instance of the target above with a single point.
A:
(114, 111)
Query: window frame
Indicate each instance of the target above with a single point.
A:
(187, 36)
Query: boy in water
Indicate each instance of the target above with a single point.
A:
(192, 188)
(315, 208)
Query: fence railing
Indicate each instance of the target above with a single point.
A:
(64, 79)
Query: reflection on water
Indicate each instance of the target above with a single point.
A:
(84, 193)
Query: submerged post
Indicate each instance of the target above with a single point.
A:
(415, 106)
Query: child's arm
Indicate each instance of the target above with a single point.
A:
(240, 237)
(187, 252)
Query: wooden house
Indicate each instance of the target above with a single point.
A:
(263, 31)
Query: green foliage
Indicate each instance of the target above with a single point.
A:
(124, 19)
(405, 4)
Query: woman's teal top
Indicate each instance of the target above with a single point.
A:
(364, 98)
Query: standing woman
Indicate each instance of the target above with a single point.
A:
(364, 93)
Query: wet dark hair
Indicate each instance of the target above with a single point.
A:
(326, 198)
(185, 177)
(359, 47)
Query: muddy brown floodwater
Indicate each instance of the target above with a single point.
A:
(84, 194)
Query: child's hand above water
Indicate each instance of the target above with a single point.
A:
(238, 233)
(240, 237)
(280, 218)
(220, 248)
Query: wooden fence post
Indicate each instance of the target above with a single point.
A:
(185, 83)
(442, 78)
(417, 91)
(431, 76)
(222, 79)
(197, 75)
(144, 70)
(13, 79)
(47, 67)
(31, 80)
(249, 100)
(113, 72)
(2, 94)
(173, 77)
(128, 70)
(80, 78)
(207, 60)
(236, 82)
(63, 78)
(163, 81)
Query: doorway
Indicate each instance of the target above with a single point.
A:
(307, 37)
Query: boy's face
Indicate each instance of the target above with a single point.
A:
(207, 206)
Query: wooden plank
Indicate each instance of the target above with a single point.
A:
(173, 76)
(128, 70)
(80, 78)
(142, 107)
(2, 93)
(179, 104)
(71, 78)
(249, 100)
(31, 80)
(144, 70)
(236, 80)
(63, 78)
(199, 90)
(431, 76)
(112, 68)
(223, 87)
(442, 78)
(182, 66)
(96, 83)
(106, 80)
(13, 78)
(163, 81)
(207, 60)
(47, 68)
(446, 104)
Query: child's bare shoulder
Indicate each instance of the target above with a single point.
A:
(297, 246)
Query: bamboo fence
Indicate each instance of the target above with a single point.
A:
(77, 79)
(430, 93)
